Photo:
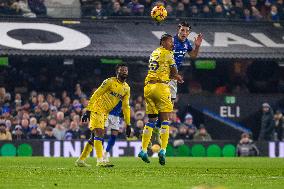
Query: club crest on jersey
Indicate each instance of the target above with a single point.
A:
(116, 94)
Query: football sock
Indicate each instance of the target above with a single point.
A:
(164, 135)
(98, 143)
(147, 134)
(110, 143)
(87, 149)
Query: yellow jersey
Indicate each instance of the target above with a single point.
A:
(161, 60)
(109, 95)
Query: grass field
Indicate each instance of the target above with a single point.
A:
(179, 173)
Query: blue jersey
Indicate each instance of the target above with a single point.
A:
(180, 49)
(116, 111)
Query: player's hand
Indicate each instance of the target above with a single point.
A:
(198, 40)
(86, 116)
(179, 79)
(128, 131)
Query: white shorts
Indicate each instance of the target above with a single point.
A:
(173, 88)
(113, 122)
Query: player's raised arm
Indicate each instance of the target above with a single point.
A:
(99, 92)
(197, 42)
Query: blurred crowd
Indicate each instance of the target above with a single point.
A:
(248, 10)
(58, 116)
(25, 8)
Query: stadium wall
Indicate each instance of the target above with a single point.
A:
(132, 148)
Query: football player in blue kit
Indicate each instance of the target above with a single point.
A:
(183, 46)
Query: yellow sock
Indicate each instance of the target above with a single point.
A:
(146, 137)
(164, 134)
(98, 143)
(86, 152)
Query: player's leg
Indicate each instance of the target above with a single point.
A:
(96, 125)
(98, 144)
(85, 153)
(110, 144)
(148, 128)
(164, 136)
(146, 136)
(165, 108)
(113, 123)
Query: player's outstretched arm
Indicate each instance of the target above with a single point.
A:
(197, 42)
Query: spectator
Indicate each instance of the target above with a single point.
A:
(273, 15)
(49, 134)
(202, 134)
(206, 13)
(188, 121)
(183, 133)
(59, 132)
(17, 133)
(74, 132)
(256, 14)
(227, 7)
(23, 7)
(194, 12)
(180, 11)
(175, 121)
(126, 11)
(5, 9)
(138, 130)
(133, 5)
(238, 9)
(4, 134)
(246, 147)
(279, 125)
(25, 127)
(42, 126)
(247, 15)
(34, 134)
(219, 12)
(98, 11)
(170, 11)
(60, 117)
(267, 124)
(116, 9)
(37, 7)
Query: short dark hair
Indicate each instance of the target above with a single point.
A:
(120, 65)
(164, 37)
(184, 24)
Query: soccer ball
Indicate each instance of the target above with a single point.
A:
(155, 148)
(159, 13)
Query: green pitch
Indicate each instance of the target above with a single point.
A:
(132, 173)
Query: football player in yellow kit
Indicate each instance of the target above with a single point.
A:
(162, 69)
(105, 99)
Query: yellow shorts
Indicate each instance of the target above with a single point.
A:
(97, 120)
(158, 98)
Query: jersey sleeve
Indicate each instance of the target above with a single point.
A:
(98, 93)
(126, 107)
(189, 44)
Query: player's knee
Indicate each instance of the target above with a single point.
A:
(99, 132)
(91, 141)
